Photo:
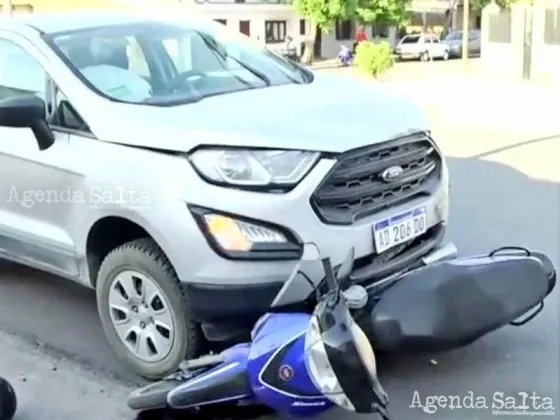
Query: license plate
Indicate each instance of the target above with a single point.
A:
(398, 229)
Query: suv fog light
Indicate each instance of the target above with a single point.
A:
(237, 235)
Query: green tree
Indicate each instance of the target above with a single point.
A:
(323, 14)
(481, 4)
(383, 12)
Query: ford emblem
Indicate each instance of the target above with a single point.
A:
(392, 173)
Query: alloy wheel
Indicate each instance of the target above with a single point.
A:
(141, 316)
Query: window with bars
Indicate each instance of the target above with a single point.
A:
(380, 29)
(343, 30)
(275, 31)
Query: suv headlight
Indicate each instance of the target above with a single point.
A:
(253, 168)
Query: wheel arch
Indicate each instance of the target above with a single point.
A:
(109, 232)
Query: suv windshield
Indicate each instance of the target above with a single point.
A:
(168, 63)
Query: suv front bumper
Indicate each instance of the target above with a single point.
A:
(232, 294)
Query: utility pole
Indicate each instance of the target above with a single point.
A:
(466, 21)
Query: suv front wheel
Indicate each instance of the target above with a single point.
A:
(144, 311)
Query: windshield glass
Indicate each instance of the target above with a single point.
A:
(410, 39)
(167, 63)
(454, 36)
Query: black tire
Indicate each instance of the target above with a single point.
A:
(145, 256)
(425, 56)
(8, 400)
(445, 56)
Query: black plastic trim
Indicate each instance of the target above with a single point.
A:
(424, 191)
(232, 305)
(263, 252)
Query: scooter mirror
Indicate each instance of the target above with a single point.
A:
(8, 400)
(345, 269)
(310, 252)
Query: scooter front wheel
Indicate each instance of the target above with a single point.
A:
(8, 400)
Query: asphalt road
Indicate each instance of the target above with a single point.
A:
(505, 191)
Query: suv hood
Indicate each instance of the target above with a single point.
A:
(332, 114)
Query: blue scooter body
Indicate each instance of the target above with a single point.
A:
(277, 368)
(225, 382)
(270, 371)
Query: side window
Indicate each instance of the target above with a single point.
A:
(65, 116)
(434, 39)
(20, 72)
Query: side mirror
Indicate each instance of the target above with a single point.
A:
(345, 269)
(27, 111)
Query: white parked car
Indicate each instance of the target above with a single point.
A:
(423, 47)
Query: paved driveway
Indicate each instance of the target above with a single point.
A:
(505, 190)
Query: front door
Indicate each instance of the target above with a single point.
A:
(35, 186)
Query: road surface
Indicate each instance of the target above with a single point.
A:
(505, 191)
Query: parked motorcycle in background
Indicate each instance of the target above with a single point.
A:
(345, 56)
(289, 51)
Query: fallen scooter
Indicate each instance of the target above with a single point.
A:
(302, 365)
(8, 400)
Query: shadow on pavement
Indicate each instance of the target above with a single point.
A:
(515, 146)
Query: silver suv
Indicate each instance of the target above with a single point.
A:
(176, 168)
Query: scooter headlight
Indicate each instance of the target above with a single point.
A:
(341, 362)
(320, 369)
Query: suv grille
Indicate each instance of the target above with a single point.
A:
(354, 188)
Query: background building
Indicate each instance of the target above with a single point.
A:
(271, 21)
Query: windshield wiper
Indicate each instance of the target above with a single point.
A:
(172, 99)
(210, 43)
(252, 70)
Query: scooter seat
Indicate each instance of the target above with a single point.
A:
(453, 303)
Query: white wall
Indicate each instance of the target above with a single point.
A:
(507, 59)
(545, 59)
(503, 59)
